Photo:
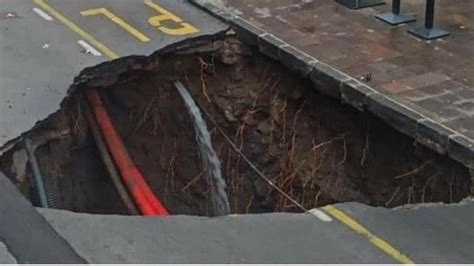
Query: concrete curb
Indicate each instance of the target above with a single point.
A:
(339, 85)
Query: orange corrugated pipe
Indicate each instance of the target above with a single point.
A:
(146, 201)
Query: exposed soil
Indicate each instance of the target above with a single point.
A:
(314, 148)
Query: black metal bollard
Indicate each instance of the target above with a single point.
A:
(396, 7)
(394, 17)
(429, 14)
(429, 32)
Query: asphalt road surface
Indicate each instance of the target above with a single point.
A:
(429, 234)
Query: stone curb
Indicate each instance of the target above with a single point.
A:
(339, 85)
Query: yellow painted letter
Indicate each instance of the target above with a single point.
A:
(184, 29)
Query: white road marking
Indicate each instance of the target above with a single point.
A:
(42, 14)
(321, 215)
(88, 48)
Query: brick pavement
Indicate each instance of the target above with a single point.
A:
(435, 79)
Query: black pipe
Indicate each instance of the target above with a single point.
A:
(109, 164)
(36, 172)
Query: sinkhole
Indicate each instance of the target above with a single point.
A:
(314, 149)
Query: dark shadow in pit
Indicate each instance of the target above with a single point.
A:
(313, 147)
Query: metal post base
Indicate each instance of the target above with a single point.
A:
(356, 4)
(428, 34)
(394, 19)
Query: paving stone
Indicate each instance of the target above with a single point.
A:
(448, 98)
(376, 51)
(467, 93)
(467, 107)
(425, 80)
(326, 52)
(348, 62)
(442, 107)
(414, 95)
(294, 34)
(306, 42)
(417, 69)
(442, 88)
(395, 87)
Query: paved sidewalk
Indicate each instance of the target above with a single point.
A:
(431, 83)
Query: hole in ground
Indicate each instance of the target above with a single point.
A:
(315, 149)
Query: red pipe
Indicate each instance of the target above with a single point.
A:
(143, 196)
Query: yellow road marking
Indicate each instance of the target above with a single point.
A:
(117, 20)
(73, 27)
(185, 29)
(156, 21)
(359, 229)
(165, 14)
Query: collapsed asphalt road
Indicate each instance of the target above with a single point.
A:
(345, 245)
